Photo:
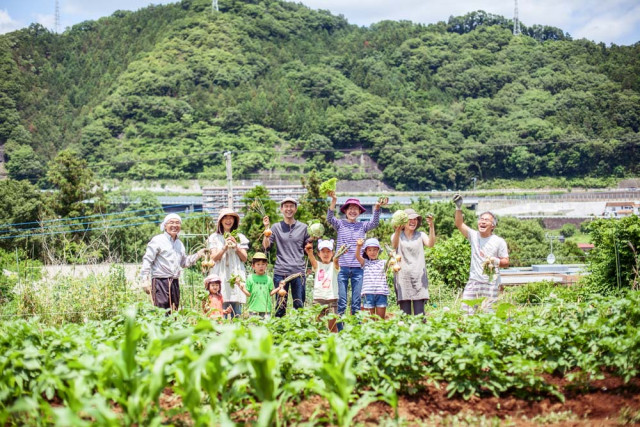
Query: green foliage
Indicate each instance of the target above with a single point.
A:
(568, 230)
(251, 224)
(164, 91)
(448, 262)
(21, 207)
(614, 262)
(114, 371)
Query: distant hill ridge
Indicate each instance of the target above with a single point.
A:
(163, 92)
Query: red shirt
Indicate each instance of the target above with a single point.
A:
(215, 306)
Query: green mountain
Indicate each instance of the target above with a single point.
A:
(163, 92)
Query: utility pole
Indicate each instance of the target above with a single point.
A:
(227, 156)
(516, 21)
(57, 22)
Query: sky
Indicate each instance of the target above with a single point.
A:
(608, 21)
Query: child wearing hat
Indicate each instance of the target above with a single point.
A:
(375, 290)
(259, 288)
(349, 231)
(212, 306)
(325, 284)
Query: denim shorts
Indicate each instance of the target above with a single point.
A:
(375, 300)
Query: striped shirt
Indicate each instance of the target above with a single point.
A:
(349, 233)
(374, 280)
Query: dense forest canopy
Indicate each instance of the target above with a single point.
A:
(164, 91)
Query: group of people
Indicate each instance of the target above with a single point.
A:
(350, 263)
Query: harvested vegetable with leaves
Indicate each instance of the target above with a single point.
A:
(258, 207)
(342, 250)
(316, 229)
(328, 185)
(399, 218)
(489, 268)
(233, 279)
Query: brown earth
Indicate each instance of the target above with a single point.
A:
(606, 402)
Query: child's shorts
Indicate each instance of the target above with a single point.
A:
(374, 300)
(330, 305)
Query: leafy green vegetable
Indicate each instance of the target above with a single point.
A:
(316, 230)
(399, 218)
(328, 185)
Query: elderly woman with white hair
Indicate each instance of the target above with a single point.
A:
(164, 260)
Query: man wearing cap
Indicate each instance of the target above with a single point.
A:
(488, 253)
(164, 260)
(290, 237)
(349, 231)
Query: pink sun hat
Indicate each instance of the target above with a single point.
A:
(356, 202)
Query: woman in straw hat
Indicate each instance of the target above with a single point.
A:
(229, 254)
(411, 282)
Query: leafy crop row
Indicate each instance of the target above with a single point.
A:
(117, 371)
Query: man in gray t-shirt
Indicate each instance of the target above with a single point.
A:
(488, 253)
(290, 237)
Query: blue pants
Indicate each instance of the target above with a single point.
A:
(237, 309)
(355, 275)
(297, 293)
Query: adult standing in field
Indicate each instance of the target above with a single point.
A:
(229, 252)
(349, 231)
(164, 260)
(411, 282)
(488, 254)
(290, 237)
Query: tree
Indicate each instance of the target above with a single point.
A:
(21, 206)
(251, 224)
(614, 260)
(77, 193)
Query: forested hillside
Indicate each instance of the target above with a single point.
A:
(164, 91)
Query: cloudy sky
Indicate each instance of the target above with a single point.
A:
(608, 21)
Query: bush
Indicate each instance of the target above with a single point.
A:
(568, 230)
(613, 262)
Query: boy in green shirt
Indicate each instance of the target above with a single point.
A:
(259, 288)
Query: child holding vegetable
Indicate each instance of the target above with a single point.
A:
(259, 288)
(349, 231)
(228, 249)
(375, 291)
(212, 306)
(325, 284)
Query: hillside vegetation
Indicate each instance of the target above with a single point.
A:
(164, 91)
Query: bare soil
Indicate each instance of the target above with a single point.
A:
(607, 402)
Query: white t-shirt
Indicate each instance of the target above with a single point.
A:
(229, 264)
(481, 249)
(325, 284)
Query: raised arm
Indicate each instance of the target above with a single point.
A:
(359, 257)
(459, 218)
(308, 248)
(331, 216)
(395, 237)
(431, 240)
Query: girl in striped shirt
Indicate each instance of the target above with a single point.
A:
(375, 290)
(349, 231)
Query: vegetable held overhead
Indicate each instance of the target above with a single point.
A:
(316, 230)
(328, 185)
(399, 219)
